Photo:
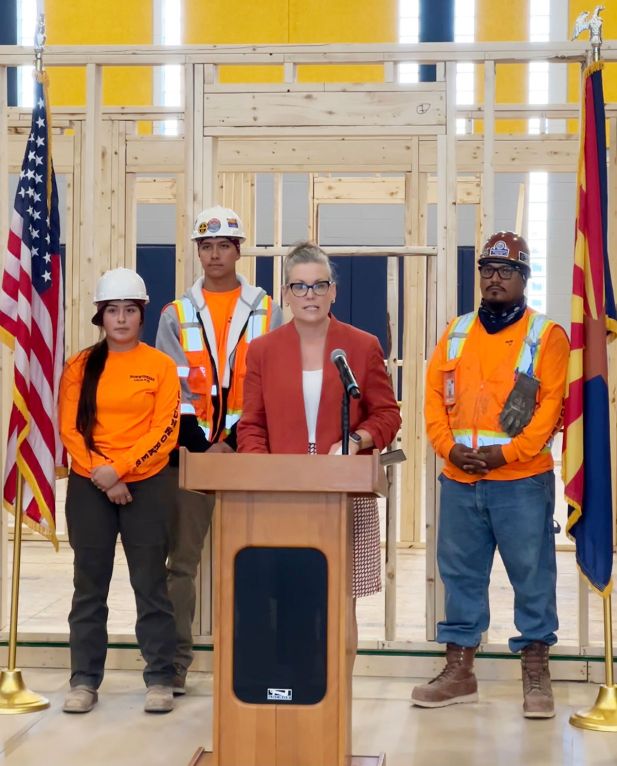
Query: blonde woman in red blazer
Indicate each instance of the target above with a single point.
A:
(292, 393)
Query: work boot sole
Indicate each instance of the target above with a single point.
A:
(444, 703)
(537, 714)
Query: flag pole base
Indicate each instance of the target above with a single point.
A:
(602, 716)
(15, 697)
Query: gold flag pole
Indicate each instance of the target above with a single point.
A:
(15, 697)
(603, 715)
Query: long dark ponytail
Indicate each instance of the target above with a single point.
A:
(86, 408)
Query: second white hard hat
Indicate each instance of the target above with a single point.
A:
(218, 222)
(120, 284)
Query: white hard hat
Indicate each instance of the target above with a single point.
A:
(119, 285)
(218, 222)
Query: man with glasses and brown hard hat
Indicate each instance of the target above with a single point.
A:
(207, 333)
(494, 396)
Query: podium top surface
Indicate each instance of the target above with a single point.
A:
(358, 475)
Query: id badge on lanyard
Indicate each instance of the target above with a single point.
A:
(449, 388)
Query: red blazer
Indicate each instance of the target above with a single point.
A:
(273, 417)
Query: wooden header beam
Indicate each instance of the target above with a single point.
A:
(273, 55)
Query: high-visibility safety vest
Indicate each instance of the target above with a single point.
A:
(216, 395)
(474, 415)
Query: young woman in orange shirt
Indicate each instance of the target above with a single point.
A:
(119, 416)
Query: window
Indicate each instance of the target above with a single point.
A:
(465, 32)
(537, 212)
(408, 32)
(537, 205)
(26, 30)
(168, 79)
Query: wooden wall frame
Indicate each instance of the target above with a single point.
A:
(231, 132)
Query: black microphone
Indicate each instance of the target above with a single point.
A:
(339, 358)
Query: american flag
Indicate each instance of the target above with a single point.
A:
(32, 324)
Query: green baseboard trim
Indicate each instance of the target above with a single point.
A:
(362, 652)
(479, 656)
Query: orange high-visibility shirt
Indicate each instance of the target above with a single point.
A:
(137, 402)
(483, 379)
(221, 306)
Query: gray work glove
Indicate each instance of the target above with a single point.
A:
(520, 404)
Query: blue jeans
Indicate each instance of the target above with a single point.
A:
(517, 517)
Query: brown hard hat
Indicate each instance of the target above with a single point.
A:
(505, 245)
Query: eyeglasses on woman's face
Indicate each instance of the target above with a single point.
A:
(300, 289)
(487, 270)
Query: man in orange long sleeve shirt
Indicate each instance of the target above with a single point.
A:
(494, 394)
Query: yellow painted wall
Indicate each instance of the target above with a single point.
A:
(295, 22)
(112, 22)
(504, 20)
(222, 22)
(343, 21)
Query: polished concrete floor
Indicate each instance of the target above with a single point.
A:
(489, 733)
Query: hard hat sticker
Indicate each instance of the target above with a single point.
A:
(523, 256)
(232, 223)
(500, 249)
(203, 228)
(214, 224)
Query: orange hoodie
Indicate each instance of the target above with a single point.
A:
(483, 379)
(137, 403)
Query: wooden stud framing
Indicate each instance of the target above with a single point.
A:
(190, 173)
(413, 363)
(182, 254)
(392, 473)
(325, 130)
(72, 264)
(488, 170)
(130, 220)
(89, 266)
(277, 266)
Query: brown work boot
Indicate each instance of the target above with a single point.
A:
(159, 699)
(80, 699)
(455, 683)
(537, 691)
(179, 681)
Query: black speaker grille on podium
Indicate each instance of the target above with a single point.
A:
(280, 625)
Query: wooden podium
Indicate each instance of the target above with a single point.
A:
(282, 523)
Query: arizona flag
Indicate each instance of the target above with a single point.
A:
(586, 460)
(32, 324)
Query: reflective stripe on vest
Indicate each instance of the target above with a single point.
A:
(458, 335)
(258, 321)
(190, 329)
(231, 418)
(537, 326)
(484, 438)
(528, 358)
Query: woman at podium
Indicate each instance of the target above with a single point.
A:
(292, 393)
